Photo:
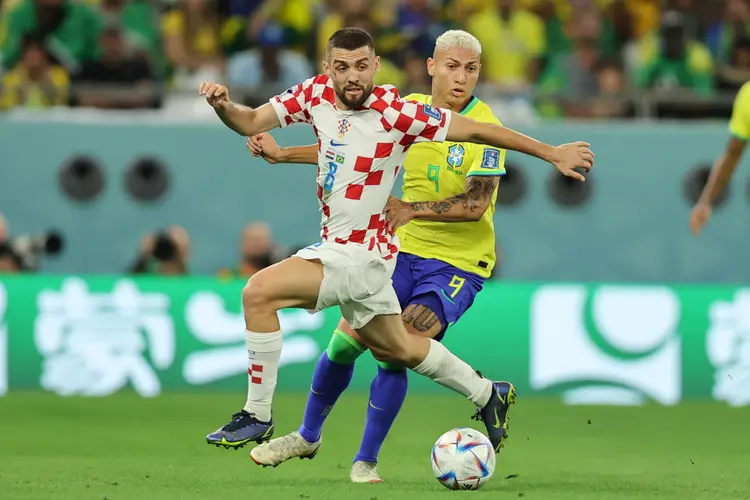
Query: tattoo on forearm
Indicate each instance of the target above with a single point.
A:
(479, 191)
(475, 198)
(420, 317)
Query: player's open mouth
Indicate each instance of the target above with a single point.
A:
(458, 92)
(355, 91)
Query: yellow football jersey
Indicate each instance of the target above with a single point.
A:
(437, 170)
(739, 125)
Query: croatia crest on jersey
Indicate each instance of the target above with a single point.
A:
(456, 155)
(344, 126)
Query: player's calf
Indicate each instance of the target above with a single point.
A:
(433, 360)
(387, 339)
(294, 282)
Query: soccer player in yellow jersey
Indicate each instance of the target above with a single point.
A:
(721, 173)
(447, 247)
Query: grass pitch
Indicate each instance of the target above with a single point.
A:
(125, 447)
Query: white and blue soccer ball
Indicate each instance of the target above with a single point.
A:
(463, 459)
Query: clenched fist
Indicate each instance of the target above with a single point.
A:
(216, 95)
(264, 146)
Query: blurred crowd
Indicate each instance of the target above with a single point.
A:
(164, 252)
(578, 58)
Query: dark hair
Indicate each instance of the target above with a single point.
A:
(33, 39)
(605, 63)
(350, 39)
(741, 42)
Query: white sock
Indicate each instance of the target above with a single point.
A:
(443, 367)
(263, 352)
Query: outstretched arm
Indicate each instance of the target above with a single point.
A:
(266, 147)
(722, 171)
(468, 206)
(565, 158)
(718, 179)
(244, 120)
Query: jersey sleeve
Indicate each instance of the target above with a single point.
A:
(486, 160)
(739, 125)
(418, 122)
(293, 106)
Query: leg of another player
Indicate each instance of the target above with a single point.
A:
(386, 336)
(294, 282)
(387, 395)
(335, 366)
(332, 375)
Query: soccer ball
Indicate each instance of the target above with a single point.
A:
(463, 459)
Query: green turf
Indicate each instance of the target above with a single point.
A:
(124, 447)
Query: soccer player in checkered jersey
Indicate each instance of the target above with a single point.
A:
(449, 198)
(371, 128)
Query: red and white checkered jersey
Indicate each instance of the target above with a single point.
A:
(360, 153)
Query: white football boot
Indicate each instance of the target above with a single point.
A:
(365, 472)
(279, 450)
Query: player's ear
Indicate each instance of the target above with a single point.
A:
(431, 66)
(377, 63)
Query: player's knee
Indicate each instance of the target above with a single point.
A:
(343, 349)
(257, 293)
(396, 353)
(382, 355)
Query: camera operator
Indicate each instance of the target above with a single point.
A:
(24, 252)
(10, 262)
(165, 253)
(257, 251)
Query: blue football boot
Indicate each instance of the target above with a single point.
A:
(242, 429)
(495, 413)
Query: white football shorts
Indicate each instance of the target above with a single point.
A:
(356, 280)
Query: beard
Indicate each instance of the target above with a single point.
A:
(353, 103)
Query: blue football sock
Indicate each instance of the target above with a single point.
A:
(387, 394)
(329, 382)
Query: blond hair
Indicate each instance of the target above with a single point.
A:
(458, 39)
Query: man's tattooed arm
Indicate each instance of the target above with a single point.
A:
(464, 207)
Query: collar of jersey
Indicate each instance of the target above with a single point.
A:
(468, 107)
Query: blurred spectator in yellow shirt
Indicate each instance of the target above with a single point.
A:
(513, 39)
(191, 35)
(34, 82)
